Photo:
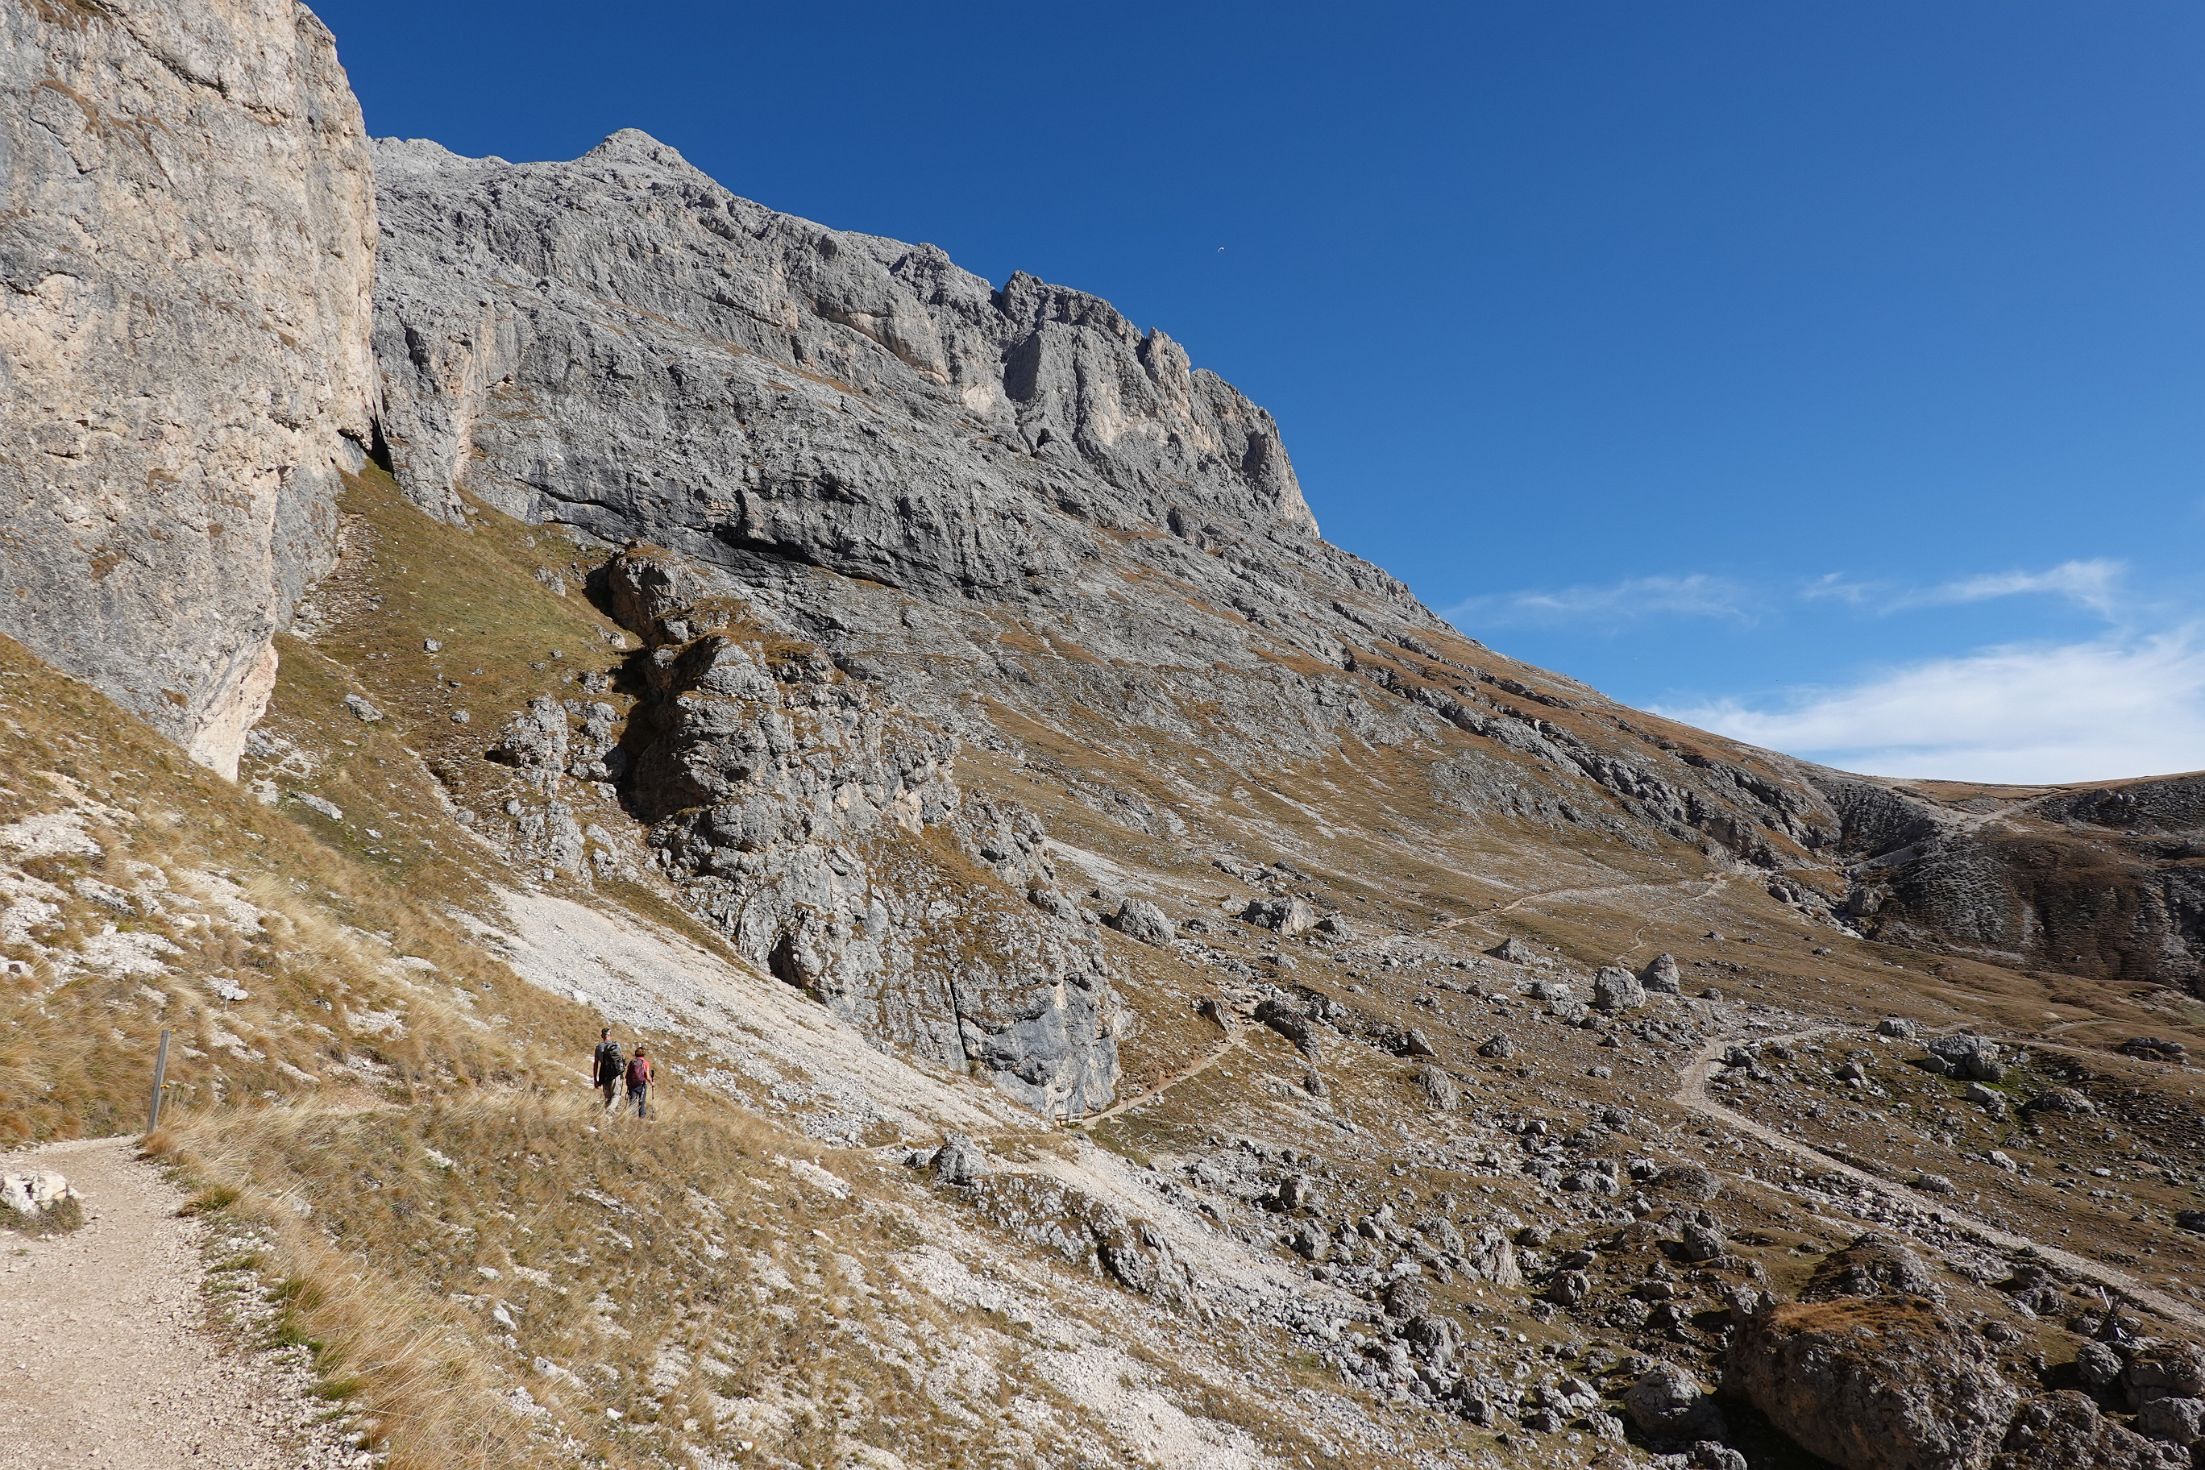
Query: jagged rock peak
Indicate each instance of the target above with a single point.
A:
(634, 146)
(622, 344)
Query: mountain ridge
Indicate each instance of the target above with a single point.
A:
(1131, 984)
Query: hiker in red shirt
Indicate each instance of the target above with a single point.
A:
(639, 1082)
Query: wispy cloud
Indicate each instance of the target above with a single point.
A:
(2065, 712)
(1691, 595)
(2095, 584)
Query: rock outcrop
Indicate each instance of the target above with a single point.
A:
(186, 241)
(824, 833)
(1874, 1383)
(2103, 881)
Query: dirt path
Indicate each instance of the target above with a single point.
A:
(1692, 1093)
(1709, 885)
(1187, 1073)
(103, 1356)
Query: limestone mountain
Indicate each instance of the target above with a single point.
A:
(926, 713)
(864, 447)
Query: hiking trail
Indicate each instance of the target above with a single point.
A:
(108, 1359)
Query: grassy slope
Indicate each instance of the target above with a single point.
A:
(724, 1279)
(406, 1121)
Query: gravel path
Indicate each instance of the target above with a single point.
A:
(104, 1359)
(1692, 1093)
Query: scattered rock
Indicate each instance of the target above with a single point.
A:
(2063, 1102)
(318, 806)
(34, 1192)
(1666, 1404)
(1661, 975)
(1873, 1265)
(1141, 920)
(1499, 1048)
(1616, 989)
(2065, 1431)
(1289, 1023)
(362, 710)
(1970, 1057)
(2173, 1421)
(1288, 916)
(1702, 1240)
(1439, 1089)
(2162, 1370)
(958, 1161)
(1691, 1181)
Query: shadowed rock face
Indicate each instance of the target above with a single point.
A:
(186, 240)
(824, 833)
(2105, 881)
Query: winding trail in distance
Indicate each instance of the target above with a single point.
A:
(1712, 883)
(1188, 1073)
(1692, 1094)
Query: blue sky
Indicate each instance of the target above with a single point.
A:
(1833, 376)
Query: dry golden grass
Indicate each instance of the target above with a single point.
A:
(670, 1271)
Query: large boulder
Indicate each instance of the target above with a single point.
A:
(187, 237)
(1666, 1404)
(1139, 919)
(1661, 975)
(1880, 1383)
(1969, 1057)
(2163, 1370)
(1616, 989)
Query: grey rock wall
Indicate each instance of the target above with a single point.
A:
(186, 251)
(622, 344)
(822, 831)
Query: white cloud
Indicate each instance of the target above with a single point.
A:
(2094, 584)
(1693, 595)
(2068, 712)
(1837, 587)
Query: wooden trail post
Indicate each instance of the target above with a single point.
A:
(160, 1079)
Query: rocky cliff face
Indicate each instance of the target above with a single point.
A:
(826, 836)
(2106, 881)
(1007, 518)
(186, 241)
(621, 343)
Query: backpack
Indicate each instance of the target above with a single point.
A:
(639, 1072)
(609, 1061)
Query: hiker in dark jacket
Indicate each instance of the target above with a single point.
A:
(639, 1082)
(608, 1066)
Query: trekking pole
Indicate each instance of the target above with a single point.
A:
(160, 1079)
